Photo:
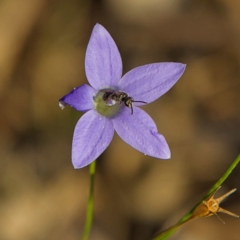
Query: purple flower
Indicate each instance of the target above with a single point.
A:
(111, 102)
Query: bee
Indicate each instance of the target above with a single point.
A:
(120, 97)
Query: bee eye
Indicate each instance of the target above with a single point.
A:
(106, 95)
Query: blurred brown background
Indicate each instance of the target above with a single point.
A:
(42, 50)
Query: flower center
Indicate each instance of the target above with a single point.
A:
(106, 104)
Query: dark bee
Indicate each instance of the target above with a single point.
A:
(120, 97)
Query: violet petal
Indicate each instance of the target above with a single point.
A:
(103, 63)
(92, 135)
(80, 98)
(149, 82)
(140, 132)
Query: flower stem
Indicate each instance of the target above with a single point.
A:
(167, 233)
(89, 217)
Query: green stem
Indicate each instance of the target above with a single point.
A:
(162, 235)
(167, 233)
(89, 217)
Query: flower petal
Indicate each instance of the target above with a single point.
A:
(103, 63)
(92, 135)
(149, 82)
(140, 132)
(80, 98)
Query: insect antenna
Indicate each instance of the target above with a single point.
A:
(131, 106)
(140, 102)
